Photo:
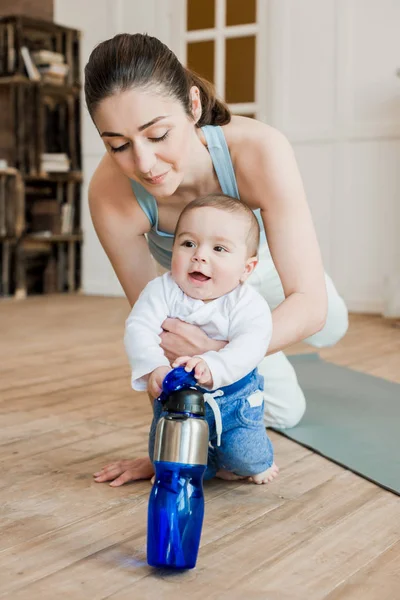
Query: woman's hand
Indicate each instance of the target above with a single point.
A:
(122, 471)
(181, 339)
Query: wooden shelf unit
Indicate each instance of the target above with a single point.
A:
(40, 232)
(36, 118)
(17, 31)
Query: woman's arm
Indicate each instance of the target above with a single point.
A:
(268, 178)
(120, 225)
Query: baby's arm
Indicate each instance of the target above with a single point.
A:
(250, 332)
(155, 381)
(142, 333)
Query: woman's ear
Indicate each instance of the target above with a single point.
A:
(195, 102)
(249, 267)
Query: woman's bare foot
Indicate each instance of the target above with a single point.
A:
(265, 476)
(123, 471)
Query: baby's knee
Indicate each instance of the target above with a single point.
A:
(247, 452)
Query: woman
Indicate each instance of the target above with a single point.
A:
(168, 141)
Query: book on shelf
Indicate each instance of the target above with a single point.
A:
(48, 167)
(7, 55)
(7, 49)
(45, 57)
(54, 162)
(41, 235)
(51, 66)
(54, 70)
(67, 218)
(11, 48)
(57, 156)
(31, 68)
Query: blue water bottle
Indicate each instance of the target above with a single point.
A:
(176, 504)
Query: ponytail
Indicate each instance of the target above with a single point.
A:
(214, 111)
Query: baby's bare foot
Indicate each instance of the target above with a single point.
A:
(265, 476)
(228, 475)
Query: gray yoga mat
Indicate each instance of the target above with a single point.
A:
(352, 419)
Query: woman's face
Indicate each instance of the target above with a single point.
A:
(148, 135)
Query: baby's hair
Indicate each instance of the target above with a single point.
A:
(232, 205)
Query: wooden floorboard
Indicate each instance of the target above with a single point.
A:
(66, 408)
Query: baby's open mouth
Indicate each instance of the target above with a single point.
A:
(199, 276)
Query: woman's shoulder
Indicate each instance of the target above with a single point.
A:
(245, 133)
(262, 158)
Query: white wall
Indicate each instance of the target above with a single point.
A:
(100, 20)
(336, 94)
(332, 88)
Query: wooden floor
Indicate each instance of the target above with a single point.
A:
(66, 408)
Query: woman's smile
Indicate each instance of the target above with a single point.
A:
(157, 180)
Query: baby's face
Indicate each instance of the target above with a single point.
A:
(210, 255)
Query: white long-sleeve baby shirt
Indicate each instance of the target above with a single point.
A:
(242, 318)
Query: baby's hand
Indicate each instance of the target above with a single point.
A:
(154, 384)
(201, 370)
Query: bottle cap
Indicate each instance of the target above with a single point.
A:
(186, 401)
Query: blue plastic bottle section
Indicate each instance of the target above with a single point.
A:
(175, 515)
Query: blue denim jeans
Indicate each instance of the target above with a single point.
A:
(245, 446)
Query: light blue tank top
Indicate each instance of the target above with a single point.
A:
(160, 242)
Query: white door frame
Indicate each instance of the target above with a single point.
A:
(180, 37)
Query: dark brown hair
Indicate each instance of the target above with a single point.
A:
(127, 61)
(231, 205)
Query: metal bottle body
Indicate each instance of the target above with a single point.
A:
(176, 505)
(181, 438)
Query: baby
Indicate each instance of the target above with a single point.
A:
(215, 251)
